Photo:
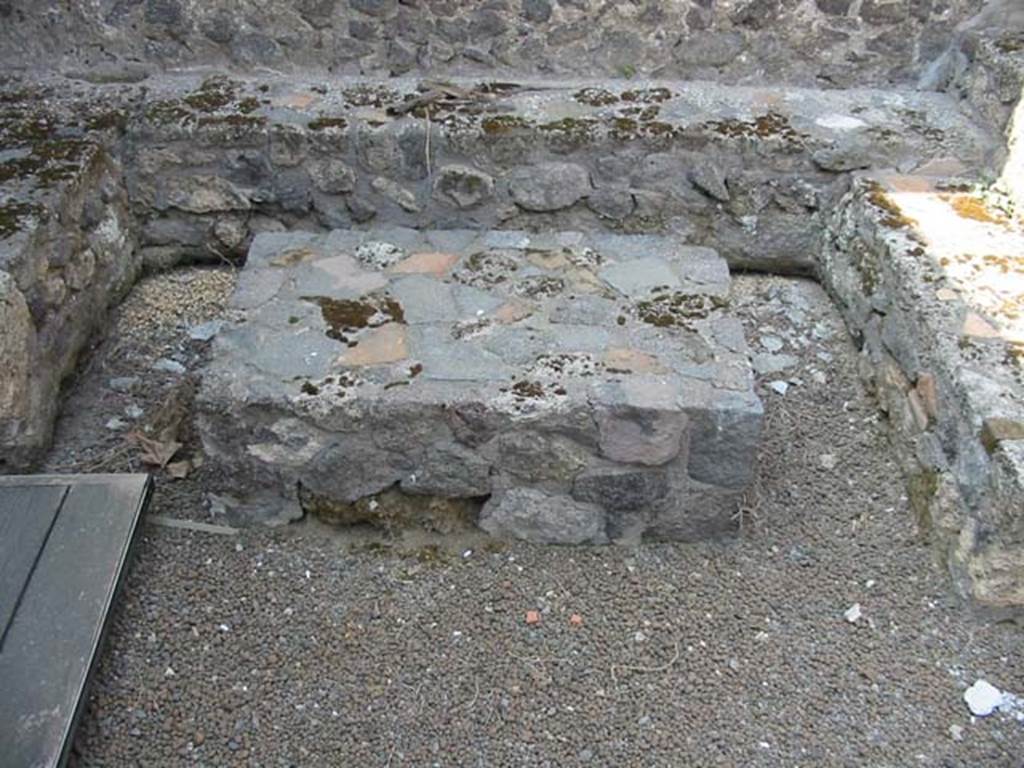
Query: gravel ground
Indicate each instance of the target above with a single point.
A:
(305, 646)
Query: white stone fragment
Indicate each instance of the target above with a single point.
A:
(983, 698)
(779, 387)
(853, 613)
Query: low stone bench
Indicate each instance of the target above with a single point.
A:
(559, 388)
(68, 252)
(101, 180)
(745, 170)
(930, 277)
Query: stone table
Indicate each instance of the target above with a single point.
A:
(558, 387)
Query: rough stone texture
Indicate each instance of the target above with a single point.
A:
(1012, 178)
(811, 42)
(581, 385)
(931, 280)
(548, 186)
(67, 252)
(212, 160)
(758, 173)
(532, 515)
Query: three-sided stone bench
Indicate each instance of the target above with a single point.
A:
(99, 182)
(558, 387)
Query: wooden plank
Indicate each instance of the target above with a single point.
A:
(54, 639)
(26, 516)
(34, 480)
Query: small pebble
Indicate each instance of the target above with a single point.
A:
(166, 365)
(124, 384)
(205, 331)
(767, 363)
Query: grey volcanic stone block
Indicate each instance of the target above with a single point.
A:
(543, 518)
(549, 186)
(574, 388)
(463, 187)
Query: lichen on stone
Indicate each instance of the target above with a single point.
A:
(48, 162)
(527, 390)
(240, 122)
(345, 318)
(169, 112)
(675, 309)
(595, 97)
(647, 95)
(487, 268)
(215, 93)
(570, 132)
(770, 125)
(975, 208)
(324, 122)
(498, 125)
(12, 214)
(540, 286)
(894, 217)
(366, 95)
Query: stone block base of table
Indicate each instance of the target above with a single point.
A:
(558, 388)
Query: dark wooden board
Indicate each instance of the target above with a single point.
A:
(55, 635)
(26, 516)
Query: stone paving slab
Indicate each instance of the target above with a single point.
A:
(580, 387)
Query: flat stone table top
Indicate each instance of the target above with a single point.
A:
(420, 355)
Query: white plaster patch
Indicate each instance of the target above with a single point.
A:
(840, 122)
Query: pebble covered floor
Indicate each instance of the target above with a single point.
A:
(308, 647)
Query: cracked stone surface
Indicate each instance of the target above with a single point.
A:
(580, 388)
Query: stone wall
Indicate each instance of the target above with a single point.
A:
(950, 385)
(66, 256)
(825, 43)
